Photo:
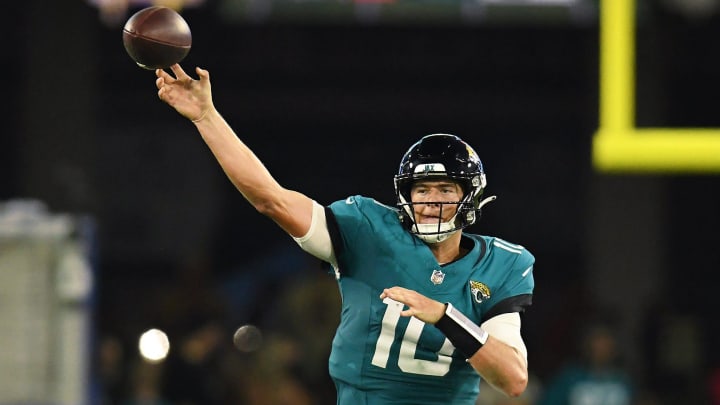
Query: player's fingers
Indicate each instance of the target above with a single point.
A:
(165, 76)
(203, 74)
(408, 312)
(397, 293)
(163, 93)
(388, 293)
(179, 72)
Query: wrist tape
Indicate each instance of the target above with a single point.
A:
(463, 333)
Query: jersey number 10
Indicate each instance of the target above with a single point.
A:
(406, 360)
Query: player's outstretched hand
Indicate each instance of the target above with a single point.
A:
(420, 306)
(190, 97)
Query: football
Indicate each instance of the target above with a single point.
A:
(248, 338)
(157, 37)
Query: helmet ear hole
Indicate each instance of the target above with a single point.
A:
(470, 216)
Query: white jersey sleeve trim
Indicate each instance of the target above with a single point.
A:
(506, 328)
(317, 239)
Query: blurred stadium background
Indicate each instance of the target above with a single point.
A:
(115, 219)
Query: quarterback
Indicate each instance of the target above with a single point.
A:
(427, 309)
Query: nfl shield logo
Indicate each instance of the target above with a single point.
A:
(437, 277)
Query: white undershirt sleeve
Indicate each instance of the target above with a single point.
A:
(506, 328)
(317, 239)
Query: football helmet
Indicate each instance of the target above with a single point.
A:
(441, 156)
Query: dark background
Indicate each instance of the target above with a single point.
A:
(330, 107)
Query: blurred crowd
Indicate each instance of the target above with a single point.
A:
(296, 310)
(295, 303)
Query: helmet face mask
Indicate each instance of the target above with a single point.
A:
(441, 157)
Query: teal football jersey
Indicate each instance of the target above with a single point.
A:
(401, 360)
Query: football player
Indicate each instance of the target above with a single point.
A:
(427, 309)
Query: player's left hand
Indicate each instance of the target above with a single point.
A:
(420, 306)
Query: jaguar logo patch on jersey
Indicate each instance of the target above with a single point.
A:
(479, 291)
(437, 277)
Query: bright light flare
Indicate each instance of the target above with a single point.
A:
(154, 345)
